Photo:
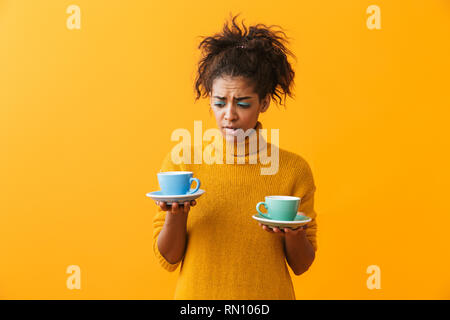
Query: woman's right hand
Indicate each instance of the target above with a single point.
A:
(175, 208)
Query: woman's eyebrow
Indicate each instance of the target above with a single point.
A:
(238, 98)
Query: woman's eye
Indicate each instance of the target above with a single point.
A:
(240, 104)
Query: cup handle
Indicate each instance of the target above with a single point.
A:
(196, 188)
(265, 206)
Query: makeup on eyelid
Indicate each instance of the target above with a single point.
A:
(241, 104)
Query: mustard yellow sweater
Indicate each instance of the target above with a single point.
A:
(228, 255)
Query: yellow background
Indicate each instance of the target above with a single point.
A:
(86, 117)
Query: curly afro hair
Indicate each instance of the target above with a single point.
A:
(258, 53)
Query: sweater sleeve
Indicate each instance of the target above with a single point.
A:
(305, 189)
(159, 219)
(307, 207)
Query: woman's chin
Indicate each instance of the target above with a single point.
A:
(230, 138)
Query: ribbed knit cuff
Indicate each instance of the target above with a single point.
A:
(162, 261)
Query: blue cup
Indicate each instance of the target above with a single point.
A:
(177, 182)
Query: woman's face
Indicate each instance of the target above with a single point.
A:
(235, 105)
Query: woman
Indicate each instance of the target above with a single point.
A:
(223, 252)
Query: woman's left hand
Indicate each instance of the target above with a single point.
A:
(286, 231)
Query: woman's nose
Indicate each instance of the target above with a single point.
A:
(230, 113)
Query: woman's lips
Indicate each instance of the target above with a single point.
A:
(230, 131)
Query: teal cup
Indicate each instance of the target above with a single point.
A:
(177, 182)
(279, 207)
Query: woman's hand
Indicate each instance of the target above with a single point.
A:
(300, 231)
(285, 231)
(176, 208)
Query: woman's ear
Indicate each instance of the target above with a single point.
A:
(265, 103)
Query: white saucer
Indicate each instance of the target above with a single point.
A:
(180, 198)
(299, 221)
